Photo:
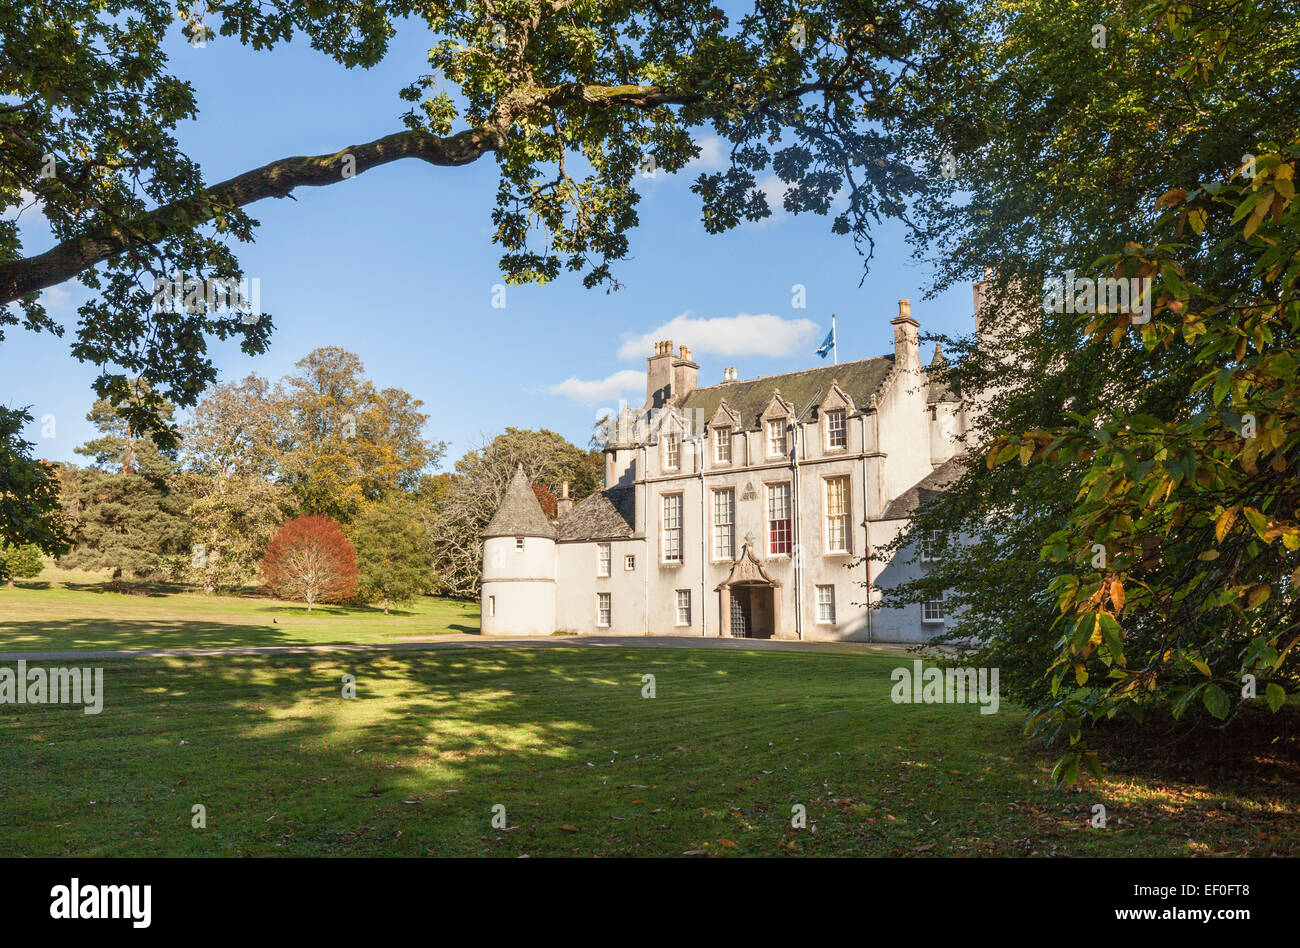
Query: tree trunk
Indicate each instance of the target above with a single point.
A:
(128, 454)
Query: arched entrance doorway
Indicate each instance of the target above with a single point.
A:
(749, 600)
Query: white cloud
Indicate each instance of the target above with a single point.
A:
(608, 389)
(774, 188)
(56, 299)
(711, 156)
(744, 334)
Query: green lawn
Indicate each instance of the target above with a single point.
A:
(562, 738)
(63, 610)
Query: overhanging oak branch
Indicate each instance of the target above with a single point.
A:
(107, 238)
(277, 179)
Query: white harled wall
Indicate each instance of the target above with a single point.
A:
(518, 592)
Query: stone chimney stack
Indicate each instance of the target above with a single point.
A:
(907, 341)
(685, 374)
(659, 375)
(564, 504)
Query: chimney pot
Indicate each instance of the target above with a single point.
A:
(904, 307)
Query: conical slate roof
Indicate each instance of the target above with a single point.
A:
(520, 515)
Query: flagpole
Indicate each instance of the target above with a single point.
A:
(835, 341)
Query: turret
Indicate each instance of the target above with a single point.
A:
(518, 587)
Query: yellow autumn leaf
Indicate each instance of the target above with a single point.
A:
(1224, 523)
(1258, 595)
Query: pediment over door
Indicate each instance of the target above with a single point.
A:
(747, 569)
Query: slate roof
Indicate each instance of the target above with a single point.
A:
(520, 515)
(859, 380)
(945, 475)
(605, 515)
(940, 391)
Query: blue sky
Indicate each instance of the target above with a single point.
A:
(397, 265)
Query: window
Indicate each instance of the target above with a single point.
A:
(837, 515)
(629, 562)
(492, 605)
(672, 538)
(778, 519)
(836, 429)
(932, 610)
(932, 543)
(683, 607)
(776, 438)
(602, 559)
(826, 604)
(672, 452)
(724, 524)
(602, 609)
(519, 544)
(722, 445)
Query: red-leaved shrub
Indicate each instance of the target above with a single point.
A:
(309, 558)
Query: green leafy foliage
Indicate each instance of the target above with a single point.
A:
(30, 508)
(394, 553)
(20, 562)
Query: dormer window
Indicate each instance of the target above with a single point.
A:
(837, 433)
(722, 445)
(672, 452)
(777, 438)
(519, 544)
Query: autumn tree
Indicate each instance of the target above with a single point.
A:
(1117, 152)
(394, 552)
(233, 453)
(309, 558)
(1179, 562)
(347, 442)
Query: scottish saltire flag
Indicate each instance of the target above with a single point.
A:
(826, 346)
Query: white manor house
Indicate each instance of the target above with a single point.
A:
(745, 508)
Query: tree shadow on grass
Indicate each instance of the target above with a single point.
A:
(109, 635)
(412, 766)
(1256, 748)
(151, 590)
(563, 738)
